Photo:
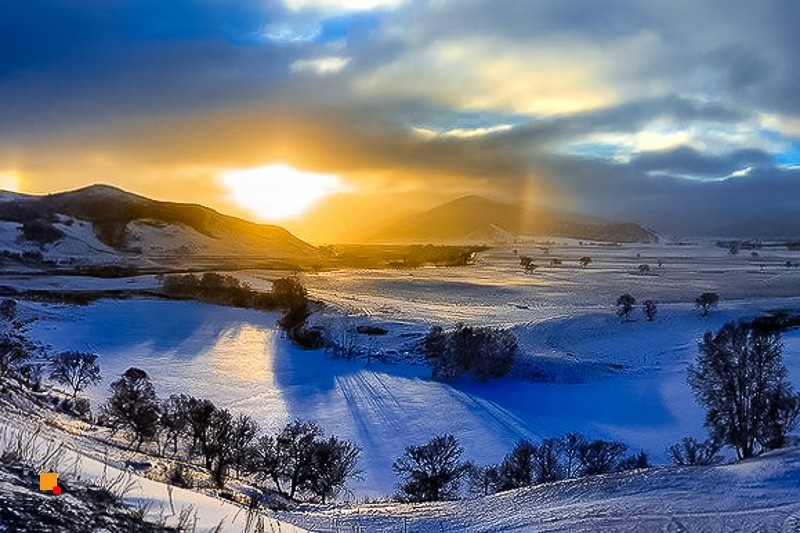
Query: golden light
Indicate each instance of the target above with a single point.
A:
(278, 191)
(9, 180)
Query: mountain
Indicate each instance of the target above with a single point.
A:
(104, 225)
(477, 219)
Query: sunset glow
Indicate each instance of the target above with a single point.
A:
(277, 191)
(678, 115)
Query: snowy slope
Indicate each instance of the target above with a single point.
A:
(79, 462)
(105, 225)
(762, 494)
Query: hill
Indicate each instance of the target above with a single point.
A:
(104, 225)
(475, 219)
(760, 494)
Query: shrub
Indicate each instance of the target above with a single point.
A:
(482, 351)
(640, 461)
(625, 305)
(690, 452)
(650, 309)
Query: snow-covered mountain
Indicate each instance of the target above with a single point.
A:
(103, 225)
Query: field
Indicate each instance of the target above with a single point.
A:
(604, 377)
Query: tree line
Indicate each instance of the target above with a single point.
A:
(299, 462)
(435, 471)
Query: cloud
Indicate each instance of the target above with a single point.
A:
(285, 32)
(483, 75)
(322, 66)
(615, 105)
(461, 133)
(341, 5)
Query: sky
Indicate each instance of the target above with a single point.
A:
(330, 117)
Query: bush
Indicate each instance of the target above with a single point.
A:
(312, 338)
(8, 309)
(640, 461)
(690, 452)
(432, 471)
(650, 309)
(482, 351)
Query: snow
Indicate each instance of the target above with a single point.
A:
(611, 379)
(162, 500)
(238, 359)
(758, 495)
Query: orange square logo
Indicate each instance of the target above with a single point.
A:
(48, 481)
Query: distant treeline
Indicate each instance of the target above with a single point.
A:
(229, 290)
(396, 256)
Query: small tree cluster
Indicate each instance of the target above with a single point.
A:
(691, 452)
(626, 304)
(481, 351)
(299, 462)
(554, 459)
(218, 289)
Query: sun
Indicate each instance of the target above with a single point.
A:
(278, 191)
(9, 180)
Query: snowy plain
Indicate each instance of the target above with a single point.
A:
(609, 378)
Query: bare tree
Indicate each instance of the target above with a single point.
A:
(740, 379)
(571, 445)
(706, 301)
(133, 405)
(600, 457)
(650, 309)
(585, 261)
(432, 471)
(625, 305)
(691, 452)
(77, 370)
(518, 467)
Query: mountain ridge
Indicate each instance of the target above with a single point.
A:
(469, 218)
(105, 224)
